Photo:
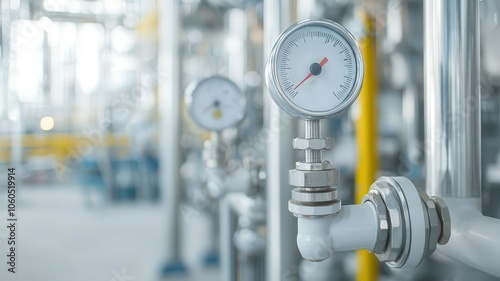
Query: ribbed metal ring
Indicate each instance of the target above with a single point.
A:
(312, 197)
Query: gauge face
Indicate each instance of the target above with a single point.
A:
(315, 69)
(215, 103)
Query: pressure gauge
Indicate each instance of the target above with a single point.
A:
(315, 69)
(215, 103)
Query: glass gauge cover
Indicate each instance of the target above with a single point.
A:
(315, 69)
(215, 103)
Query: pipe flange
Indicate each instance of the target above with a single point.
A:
(413, 210)
(445, 218)
(299, 209)
(383, 222)
(325, 165)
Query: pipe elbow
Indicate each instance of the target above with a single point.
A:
(313, 238)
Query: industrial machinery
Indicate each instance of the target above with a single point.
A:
(398, 222)
(253, 140)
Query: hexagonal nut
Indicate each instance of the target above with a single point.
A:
(323, 178)
(444, 215)
(396, 225)
(301, 210)
(325, 165)
(383, 220)
(322, 143)
(434, 221)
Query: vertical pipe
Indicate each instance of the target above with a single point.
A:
(227, 230)
(452, 98)
(5, 29)
(279, 130)
(366, 138)
(169, 97)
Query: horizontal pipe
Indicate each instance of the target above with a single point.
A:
(354, 227)
(474, 237)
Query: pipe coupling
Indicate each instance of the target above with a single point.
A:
(411, 223)
(314, 193)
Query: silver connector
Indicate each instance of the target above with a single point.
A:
(416, 222)
(316, 144)
(444, 218)
(215, 152)
(314, 180)
(383, 220)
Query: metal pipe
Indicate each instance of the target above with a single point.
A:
(5, 30)
(170, 121)
(227, 230)
(452, 98)
(452, 103)
(279, 130)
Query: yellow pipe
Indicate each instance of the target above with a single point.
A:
(63, 141)
(59, 145)
(366, 140)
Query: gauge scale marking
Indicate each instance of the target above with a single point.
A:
(315, 69)
(215, 103)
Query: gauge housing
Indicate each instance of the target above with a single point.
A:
(230, 102)
(277, 90)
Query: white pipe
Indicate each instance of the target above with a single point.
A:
(313, 238)
(170, 122)
(354, 227)
(474, 238)
(227, 229)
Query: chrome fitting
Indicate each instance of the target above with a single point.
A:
(321, 178)
(304, 166)
(416, 222)
(316, 144)
(301, 195)
(215, 154)
(303, 209)
(314, 194)
(434, 222)
(445, 219)
(383, 220)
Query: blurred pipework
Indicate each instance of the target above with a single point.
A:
(117, 177)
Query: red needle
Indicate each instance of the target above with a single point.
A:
(213, 104)
(321, 63)
(207, 108)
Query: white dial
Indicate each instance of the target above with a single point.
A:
(315, 69)
(215, 103)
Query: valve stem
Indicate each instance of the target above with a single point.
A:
(313, 131)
